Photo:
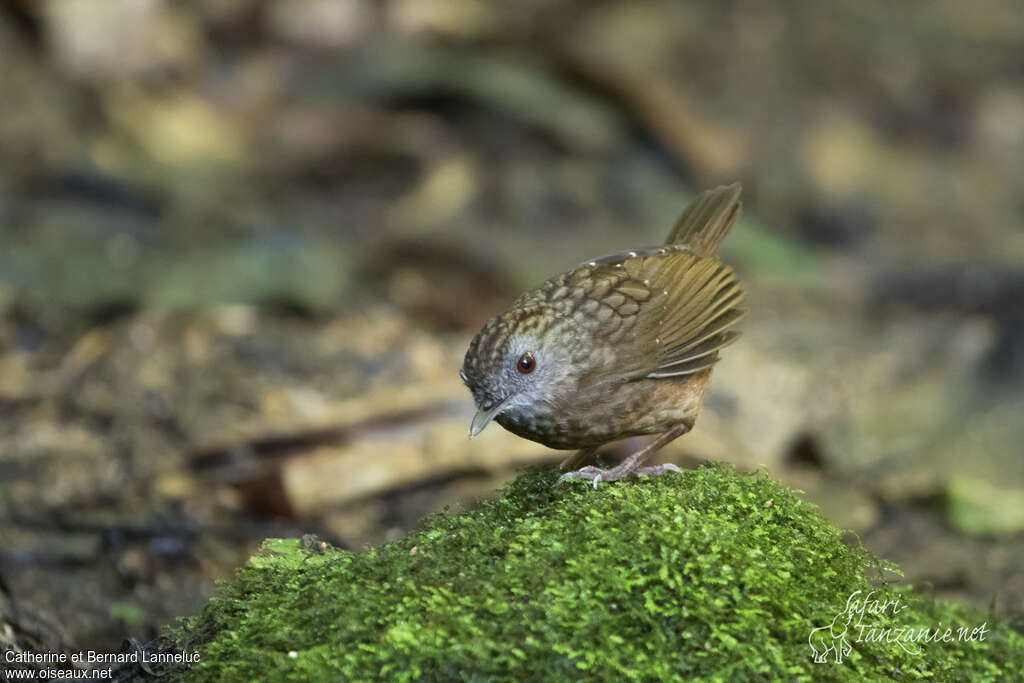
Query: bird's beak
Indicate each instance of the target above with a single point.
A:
(483, 416)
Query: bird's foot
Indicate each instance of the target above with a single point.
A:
(597, 475)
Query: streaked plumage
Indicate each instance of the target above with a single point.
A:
(623, 345)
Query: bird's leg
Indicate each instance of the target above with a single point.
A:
(579, 458)
(633, 464)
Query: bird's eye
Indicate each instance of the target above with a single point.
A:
(526, 363)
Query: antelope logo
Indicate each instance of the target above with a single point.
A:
(832, 638)
(870, 619)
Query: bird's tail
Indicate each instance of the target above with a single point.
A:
(707, 220)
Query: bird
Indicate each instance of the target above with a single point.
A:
(620, 346)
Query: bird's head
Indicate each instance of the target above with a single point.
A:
(519, 366)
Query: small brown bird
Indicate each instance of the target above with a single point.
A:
(621, 346)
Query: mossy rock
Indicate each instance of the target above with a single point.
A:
(706, 574)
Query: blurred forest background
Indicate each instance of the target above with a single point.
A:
(244, 245)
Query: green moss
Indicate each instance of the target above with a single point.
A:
(707, 574)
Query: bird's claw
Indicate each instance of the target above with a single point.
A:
(589, 472)
(596, 474)
(656, 470)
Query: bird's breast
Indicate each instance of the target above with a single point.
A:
(598, 416)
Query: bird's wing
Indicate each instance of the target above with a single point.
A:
(701, 305)
(656, 312)
(673, 311)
